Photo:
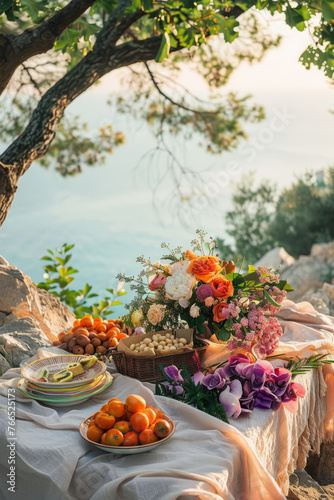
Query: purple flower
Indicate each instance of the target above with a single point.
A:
(214, 380)
(175, 388)
(173, 373)
(257, 377)
(289, 398)
(234, 361)
(203, 292)
(198, 377)
(282, 378)
(265, 399)
(229, 398)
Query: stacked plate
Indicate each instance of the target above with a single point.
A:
(93, 381)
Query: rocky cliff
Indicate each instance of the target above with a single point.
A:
(29, 317)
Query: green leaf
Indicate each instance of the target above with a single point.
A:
(224, 334)
(68, 247)
(323, 59)
(163, 51)
(47, 258)
(228, 323)
(328, 10)
(116, 303)
(5, 5)
(296, 17)
(227, 26)
(147, 5)
(270, 299)
(251, 269)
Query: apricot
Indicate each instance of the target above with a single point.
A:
(94, 433)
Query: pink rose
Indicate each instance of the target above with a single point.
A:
(157, 281)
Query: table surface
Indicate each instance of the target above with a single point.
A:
(206, 458)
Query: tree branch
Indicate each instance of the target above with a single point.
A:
(179, 105)
(15, 49)
(106, 56)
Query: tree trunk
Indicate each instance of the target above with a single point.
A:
(8, 188)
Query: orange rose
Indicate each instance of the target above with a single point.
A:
(190, 255)
(204, 268)
(217, 312)
(222, 287)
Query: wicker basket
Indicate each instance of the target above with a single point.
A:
(148, 369)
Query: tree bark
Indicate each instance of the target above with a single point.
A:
(15, 49)
(8, 187)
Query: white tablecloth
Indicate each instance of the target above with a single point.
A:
(205, 458)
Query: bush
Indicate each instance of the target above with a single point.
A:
(295, 219)
(58, 276)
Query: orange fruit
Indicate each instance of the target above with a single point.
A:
(135, 403)
(123, 426)
(87, 321)
(130, 439)
(100, 328)
(94, 433)
(152, 416)
(104, 407)
(111, 334)
(121, 335)
(112, 342)
(97, 320)
(158, 413)
(103, 438)
(104, 420)
(139, 421)
(76, 323)
(162, 428)
(60, 335)
(80, 331)
(147, 437)
(128, 415)
(116, 408)
(114, 437)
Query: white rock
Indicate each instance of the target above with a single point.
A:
(276, 257)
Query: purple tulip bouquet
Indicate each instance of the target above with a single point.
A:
(240, 385)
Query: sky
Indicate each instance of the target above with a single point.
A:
(108, 211)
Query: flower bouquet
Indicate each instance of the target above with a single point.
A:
(240, 385)
(197, 289)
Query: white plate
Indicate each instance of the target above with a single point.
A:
(61, 402)
(125, 450)
(57, 363)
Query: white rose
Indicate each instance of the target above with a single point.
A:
(180, 285)
(194, 311)
(178, 266)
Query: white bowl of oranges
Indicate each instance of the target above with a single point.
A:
(125, 429)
